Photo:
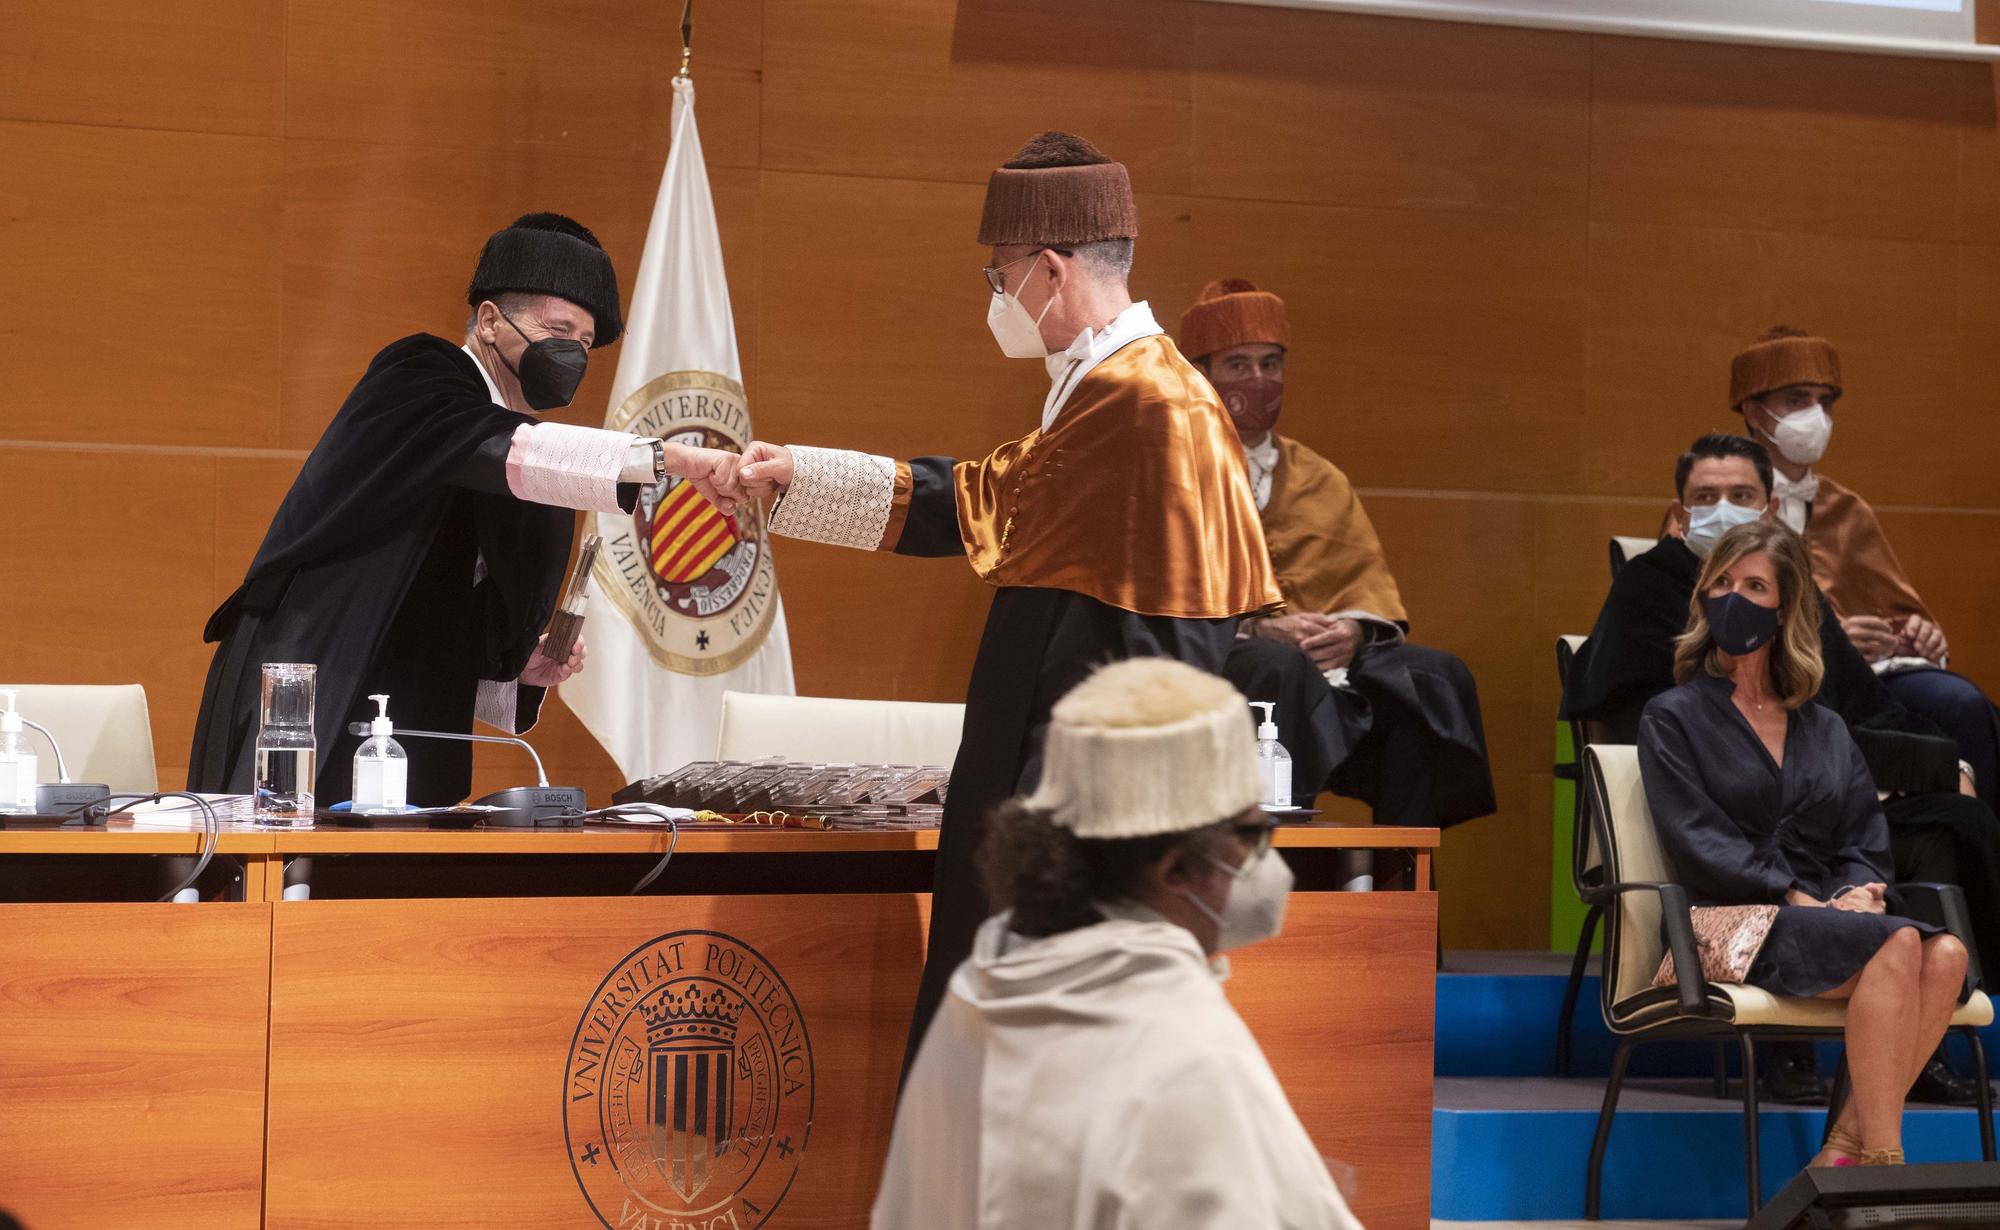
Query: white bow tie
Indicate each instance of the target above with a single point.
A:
(1806, 488)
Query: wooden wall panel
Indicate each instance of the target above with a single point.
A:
(1418, 330)
(164, 1121)
(142, 285)
(592, 78)
(212, 67)
(1518, 263)
(918, 89)
(1772, 139)
(1364, 111)
(112, 579)
(1670, 306)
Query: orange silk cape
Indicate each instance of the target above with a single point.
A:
(1134, 496)
(1322, 543)
(1852, 560)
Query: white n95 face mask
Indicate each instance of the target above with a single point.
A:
(1802, 435)
(1255, 909)
(1019, 334)
(1706, 525)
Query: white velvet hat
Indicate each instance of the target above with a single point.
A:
(1148, 746)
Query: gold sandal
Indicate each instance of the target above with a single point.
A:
(1844, 1144)
(1882, 1157)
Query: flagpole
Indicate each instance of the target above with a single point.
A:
(687, 37)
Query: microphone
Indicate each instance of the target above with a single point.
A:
(537, 806)
(61, 795)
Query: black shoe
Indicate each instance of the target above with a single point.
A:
(1787, 1073)
(1940, 1085)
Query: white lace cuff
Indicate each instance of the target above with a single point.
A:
(568, 466)
(498, 705)
(837, 497)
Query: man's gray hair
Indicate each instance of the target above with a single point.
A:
(508, 301)
(1106, 257)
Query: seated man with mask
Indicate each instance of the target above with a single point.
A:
(1784, 385)
(1936, 833)
(1085, 1069)
(1363, 712)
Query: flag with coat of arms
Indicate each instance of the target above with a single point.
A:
(685, 603)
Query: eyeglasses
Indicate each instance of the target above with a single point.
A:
(997, 283)
(1257, 835)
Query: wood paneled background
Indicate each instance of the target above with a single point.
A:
(1518, 262)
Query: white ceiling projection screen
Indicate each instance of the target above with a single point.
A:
(1897, 27)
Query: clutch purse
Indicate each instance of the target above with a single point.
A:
(1727, 939)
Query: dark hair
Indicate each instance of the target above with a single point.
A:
(1719, 444)
(1052, 879)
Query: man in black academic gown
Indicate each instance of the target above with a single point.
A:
(1122, 527)
(1936, 832)
(419, 551)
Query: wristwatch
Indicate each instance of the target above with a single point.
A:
(659, 460)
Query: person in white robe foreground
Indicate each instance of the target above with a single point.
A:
(1086, 1071)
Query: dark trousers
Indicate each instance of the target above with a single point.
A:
(1962, 711)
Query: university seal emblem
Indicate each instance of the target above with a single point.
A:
(697, 584)
(688, 1098)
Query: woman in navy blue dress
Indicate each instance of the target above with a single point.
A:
(1761, 797)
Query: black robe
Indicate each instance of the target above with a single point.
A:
(1405, 735)
(1037, 645)
(399, 562)
(1742, 829)
(1935, 832)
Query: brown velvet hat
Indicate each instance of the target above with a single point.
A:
(1232, 312)
(1059, 191)
(1782, 356)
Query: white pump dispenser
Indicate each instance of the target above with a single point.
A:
(17, 763)
(381, 770)
(1274, 763)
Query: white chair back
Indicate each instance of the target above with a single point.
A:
(837, 731)
(1624, 549)
(1632, 854)
(106, 732)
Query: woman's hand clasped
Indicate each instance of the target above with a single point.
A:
(1864, 899)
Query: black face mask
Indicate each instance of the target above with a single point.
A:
(1739, 625)
(550, 369)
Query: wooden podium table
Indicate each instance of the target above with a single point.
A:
(484, 1028)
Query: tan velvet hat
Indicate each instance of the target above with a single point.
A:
(1058, 191)
(1148, 746)
(1232, 312)
(1782, 356)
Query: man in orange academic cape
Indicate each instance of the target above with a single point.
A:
(1363, 712)
(1121, 526)
(1784, 385)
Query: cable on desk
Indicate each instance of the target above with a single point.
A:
(649, 811)
(211, 829)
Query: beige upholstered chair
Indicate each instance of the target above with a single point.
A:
(1625, 548)
(105, 731)
(1646, 912)
(818, 728)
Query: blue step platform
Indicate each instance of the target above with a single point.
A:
(1510, 1140)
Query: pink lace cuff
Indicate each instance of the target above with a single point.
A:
(569, 467)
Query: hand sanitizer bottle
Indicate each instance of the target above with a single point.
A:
(381, 770)
(17, 763)
(1274, 763)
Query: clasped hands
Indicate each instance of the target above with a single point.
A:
(1330, 642)
(726, 479)
(1911, 637)
(1861, 899)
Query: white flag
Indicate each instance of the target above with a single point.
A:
(685, 600)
